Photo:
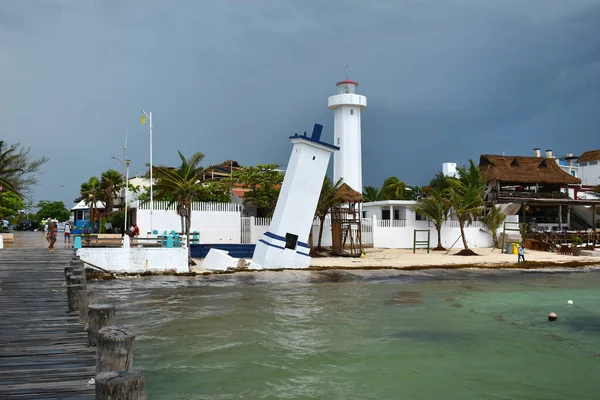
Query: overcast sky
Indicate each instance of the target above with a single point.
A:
(446, 80)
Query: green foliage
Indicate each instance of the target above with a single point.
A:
(466, 197)
(218, 192)
(91, 192)
(180, 185)
(441, 182)
(10, 204)
(493, 220)
(263, 182)
(395, 189)
(111, 183)
(372, 193)
(576, 240)
(17, 170)
(52, 209)
(435, 206)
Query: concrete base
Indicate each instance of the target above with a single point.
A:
(218, 260)
(137, 259)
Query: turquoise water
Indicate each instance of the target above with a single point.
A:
(383, 335)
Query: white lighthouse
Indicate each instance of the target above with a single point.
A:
(347, 162)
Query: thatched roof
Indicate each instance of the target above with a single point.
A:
(518, 169)
(348, 195)
(592, 155)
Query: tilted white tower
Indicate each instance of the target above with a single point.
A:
(347, 162)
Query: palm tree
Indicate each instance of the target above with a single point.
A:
(17, 170)
(327, 199)
(180, 185)
(441, 182)
(435, 206)
(395, 189)
(111, 183)
(372, 193)
(91, 192)
(7, 168)
(493, 220)
(466, 199)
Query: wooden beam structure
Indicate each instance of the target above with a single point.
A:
(43, 352)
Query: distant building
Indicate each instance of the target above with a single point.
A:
(589, 168)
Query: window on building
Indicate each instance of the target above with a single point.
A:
(385, 214)
(583, 164)
(351, 111)
(396, 214)
(593, 163)
(572, 173)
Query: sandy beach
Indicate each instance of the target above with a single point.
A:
(486, 258)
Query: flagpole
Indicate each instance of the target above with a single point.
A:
(151, 181)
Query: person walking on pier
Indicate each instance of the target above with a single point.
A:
(67, 233)
(51, 235)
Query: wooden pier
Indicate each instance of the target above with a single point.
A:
(43, 352)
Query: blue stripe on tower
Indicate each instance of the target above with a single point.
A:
(274, 236)
(272, 245)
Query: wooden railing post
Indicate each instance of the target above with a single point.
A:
(115, 349)
(112, 385)
(99, 316)
(85, 298)
(72, 291)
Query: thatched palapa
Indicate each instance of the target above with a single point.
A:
(592, 155)
(348, 195)
(526, 170)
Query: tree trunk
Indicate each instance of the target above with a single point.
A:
(188, 223)
(321, 223)
(461, 223)
(439, 235)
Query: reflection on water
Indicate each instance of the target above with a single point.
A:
(364, 335)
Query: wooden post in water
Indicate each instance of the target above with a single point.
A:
(99, 316)
(84, 300)
(115, 349)
(120, 385)
(72, 290)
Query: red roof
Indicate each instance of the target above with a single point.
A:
(346, 82)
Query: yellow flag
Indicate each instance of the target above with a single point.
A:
(143, 119)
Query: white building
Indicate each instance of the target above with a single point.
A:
(347, 162)
(589, 168)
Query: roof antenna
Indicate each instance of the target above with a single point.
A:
(346, 72)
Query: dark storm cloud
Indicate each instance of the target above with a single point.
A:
(445, 80)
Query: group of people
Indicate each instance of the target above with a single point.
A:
(52, 229)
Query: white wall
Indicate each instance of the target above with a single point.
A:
(215, 224)
(590, 174)
(136, 259)
(402, 237)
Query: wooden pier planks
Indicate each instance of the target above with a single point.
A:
(43, 352)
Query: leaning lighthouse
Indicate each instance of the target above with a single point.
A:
(347, 162)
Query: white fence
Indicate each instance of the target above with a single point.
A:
(253, 228)
(223, 223)
(215, 222)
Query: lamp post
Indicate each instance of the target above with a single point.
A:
(126, 164)
(149, 117)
